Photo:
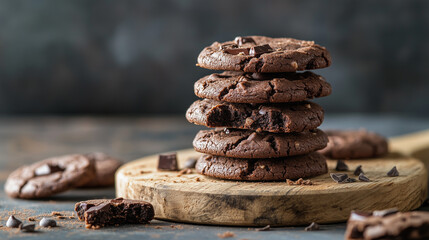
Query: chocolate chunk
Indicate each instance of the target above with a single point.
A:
(190, 163)
(102, 212)
(27, 228)
(13, 222)
(350, 180)
(258, 50)
(363, 178)
(339, 177)
(393, 172)
(385, 212)
(241, 40)
(266, 228)
(47, 222)
(168, 162)
(341, 166)
(358, 170)
(312, 227)
(235, 51)
(47, 169)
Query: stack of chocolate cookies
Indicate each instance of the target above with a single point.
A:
(264, 127)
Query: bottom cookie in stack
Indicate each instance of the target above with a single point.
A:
(260, 156)
(269, 169)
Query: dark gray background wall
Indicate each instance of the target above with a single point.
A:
(128, 57)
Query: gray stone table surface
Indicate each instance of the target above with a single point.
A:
(24, 140)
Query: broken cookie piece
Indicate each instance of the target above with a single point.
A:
(103, 212)
(407, 225)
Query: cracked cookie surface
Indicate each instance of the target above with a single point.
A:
(249, 144)
(239, 87)
(354, 144)
(264, 54)
(50, 176)
(286, 117)
(274, 169)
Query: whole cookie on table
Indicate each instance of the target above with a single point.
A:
(286, 117)
(354, 144)
(106, 167)
(278, 169)
(249, 144)
(50, 176)
(264, 54)
(240, 87)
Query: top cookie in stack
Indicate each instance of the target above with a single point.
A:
(265, 127)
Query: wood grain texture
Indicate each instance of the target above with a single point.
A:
(194, 198)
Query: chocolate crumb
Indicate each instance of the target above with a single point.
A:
(358, 170)
(393, 172)
(312, 227)
(54, 213)
(266, 228)
(61, 217)
(341, 166)
(185, 171)
(363, 178)
(226, 235)
(32, 219)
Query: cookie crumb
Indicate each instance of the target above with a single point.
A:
(54, 213)
(32, 219)
(226, 235)
(197, 179)
(300, 181)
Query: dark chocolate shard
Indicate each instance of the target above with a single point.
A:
(27, 228)
(190, 163)
(363, 178)
(13, 222)
(339, 177)
(235, 51)
(266, 228)
(242, 40)
(341, 166)
(168, 162)
(258, 50)
(385, 212)
(358, 170)
(393, 172)
(312, 227)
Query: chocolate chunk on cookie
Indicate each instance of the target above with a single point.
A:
(50, 176)
(407, 225)
(274, 169)
(354, 144)
(264, 54)
(249, 144)
(239, 87)
(105, 167)
(102, 212)
(286, 117)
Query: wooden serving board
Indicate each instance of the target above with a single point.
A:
(193, 198)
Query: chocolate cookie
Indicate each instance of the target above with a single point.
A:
(264, 54)
(249, 144)
(407, 225)
(50, 176)
(239, 87)
(101, 212)
(353, 144)
(274, 169)
(286, 117)
(105, 167)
